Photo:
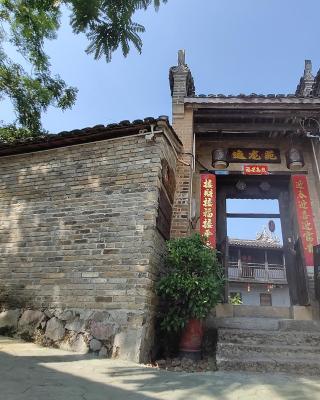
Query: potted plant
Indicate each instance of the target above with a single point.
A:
(192, 285)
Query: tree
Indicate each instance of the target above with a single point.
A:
(27, 24)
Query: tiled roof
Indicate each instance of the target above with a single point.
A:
(254, 244)
(253, 96)
(85, 135)
(253, 99)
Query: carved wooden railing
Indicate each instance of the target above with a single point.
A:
(256, 272)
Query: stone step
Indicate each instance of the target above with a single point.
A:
(230, 350)
(247, 311)
(264, 364)
(299, 326)
(268, 324)
(265, 337)
(262, 312)
(268, 345)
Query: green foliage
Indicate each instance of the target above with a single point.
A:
(10, 133)
(235, 299)
(193, 284)
(27, 24)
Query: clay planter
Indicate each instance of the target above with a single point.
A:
(191, 339)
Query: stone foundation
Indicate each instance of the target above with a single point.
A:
(114, 334)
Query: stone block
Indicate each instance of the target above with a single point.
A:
(31, 318)
(127, 344)
(268, 324)
(76, 325)
(9, 319)
(49, 313)
(103, 353)
(90, 274)
(100, 316)
(300, 325)
(302, 313)
(224, 310)
(55, 329)
(101, 330)
(95, 345)
(261, 311)
(79, 345)
(65, 315)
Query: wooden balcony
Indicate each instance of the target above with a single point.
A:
(255, 272)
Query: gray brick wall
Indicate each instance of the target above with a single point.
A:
(78, 229)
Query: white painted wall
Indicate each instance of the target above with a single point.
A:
(280, 296)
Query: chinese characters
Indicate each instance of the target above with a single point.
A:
(255, 170)
(254, 155)
(208, 209)
(305, 219)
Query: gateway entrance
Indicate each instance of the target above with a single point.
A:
(257, 238)
(256, 265)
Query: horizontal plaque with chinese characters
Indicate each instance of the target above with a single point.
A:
(307, 228)
(255, 169)
(254, 155)
(208, 208)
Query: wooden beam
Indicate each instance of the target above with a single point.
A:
(207, 127)
(312, 108)
(249, 113)
(252, 215)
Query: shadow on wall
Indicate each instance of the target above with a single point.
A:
(47, 373)
(42, 229)
(69, 214)
(77, 234)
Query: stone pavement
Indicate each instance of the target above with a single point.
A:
(29, 372)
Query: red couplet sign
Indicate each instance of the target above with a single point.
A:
(305, 217)
(208, 208)
(255, 170)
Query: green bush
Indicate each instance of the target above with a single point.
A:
(193, 282)
(235, 299)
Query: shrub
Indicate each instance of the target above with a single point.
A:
(193, 282)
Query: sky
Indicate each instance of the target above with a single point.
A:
(249, 228)
(232, 46)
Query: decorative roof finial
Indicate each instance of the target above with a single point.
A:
(181, 80)
(308, 70)
(304, 88)
(181, 57)
(267, 236)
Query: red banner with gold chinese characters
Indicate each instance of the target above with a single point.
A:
(255, 170)
(305, 216)
(208, 208)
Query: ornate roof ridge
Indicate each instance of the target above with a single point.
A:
(254, 243)
(254, 95)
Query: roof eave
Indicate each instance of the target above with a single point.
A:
(86, 135)
(253, 101)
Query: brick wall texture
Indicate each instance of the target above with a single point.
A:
(183, 125)
(78, 226)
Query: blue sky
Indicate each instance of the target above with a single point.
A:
(248, 228)
(232, 46)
